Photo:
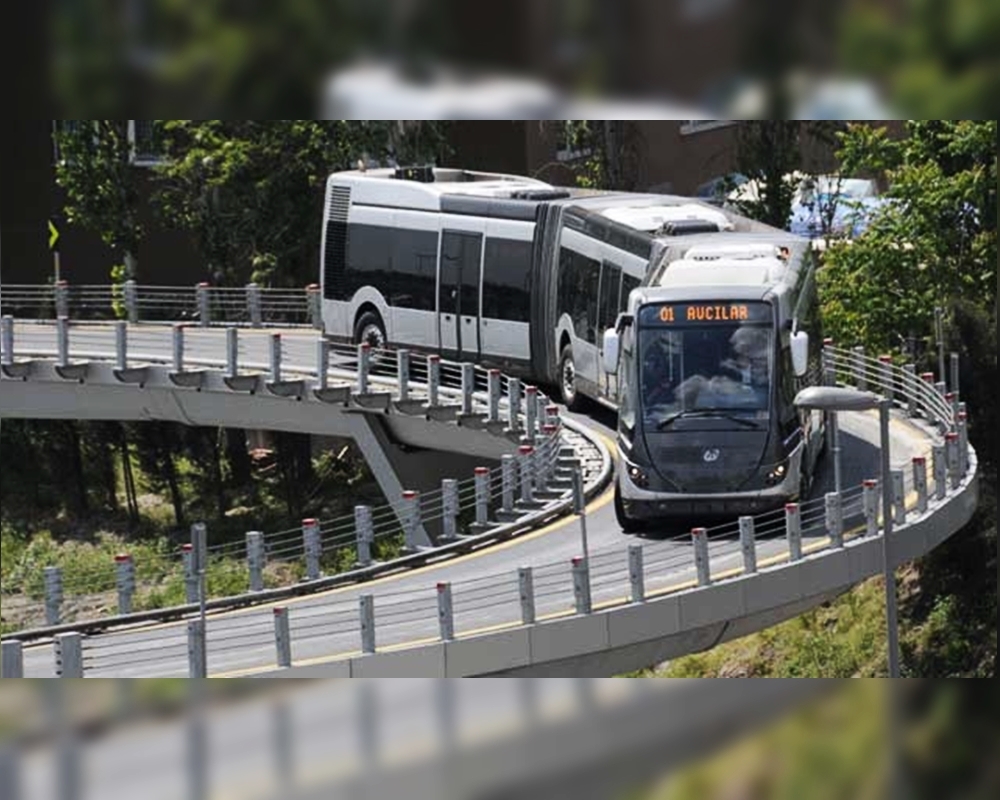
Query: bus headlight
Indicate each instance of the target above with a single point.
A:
(776, 475)
(637, 476)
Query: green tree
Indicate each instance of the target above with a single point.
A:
(95, 171)
(252, 191)
(935, 244)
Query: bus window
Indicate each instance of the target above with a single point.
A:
(578, 284)
(611, 277)
(506, 280)
(368, 257)
(334, 260)
(628, 284)
(414, 266)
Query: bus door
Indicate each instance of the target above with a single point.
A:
(459, 278)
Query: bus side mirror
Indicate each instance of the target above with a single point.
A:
(800, 353)
(610, 351)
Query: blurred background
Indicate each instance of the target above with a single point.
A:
(525, 739)
(831, 59)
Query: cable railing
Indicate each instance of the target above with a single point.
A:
(555, 589)
(203, 304)
(460, 508)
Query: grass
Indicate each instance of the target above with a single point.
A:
(841, 639)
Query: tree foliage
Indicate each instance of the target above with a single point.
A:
(251, 192)
(933, 245)
(94, 169)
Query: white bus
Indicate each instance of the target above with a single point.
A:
(498, 269)
(511, 272)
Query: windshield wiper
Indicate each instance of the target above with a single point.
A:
(718, 413)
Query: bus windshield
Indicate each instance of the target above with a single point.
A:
(701, 367)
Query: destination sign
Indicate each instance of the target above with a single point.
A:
(700, 313)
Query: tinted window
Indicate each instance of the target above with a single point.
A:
(628, 284)
(611, 277)
(334, 261)
(369, 260)
(460, 257)
(507, 280)
(415, 268)
(578, 284)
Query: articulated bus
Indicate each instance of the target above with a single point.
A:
(544, 282)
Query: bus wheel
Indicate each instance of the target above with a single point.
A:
(626, 523)
(567, 380)
(369, 328)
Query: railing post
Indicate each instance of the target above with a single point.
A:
(551, 447)
(910, 371)
(282, 638)
(493, 390)
(468, 386)
(939, 468)
(449, 508)
(954, 372)
(177, 340)
(121, 344)
(514, 404)
(928, 381)
(885, 376)
(869, 505)
(403, 373)
(7, 339)
(196, 649)
(322, 363)
(446, 612)
(482, 494)
(531, 410)
(232, 352)
(411, 520)
(69, 655)
(53, 595)
(190, 576)
(366, 611)
(860, 376)
(920, 482)
(898, 496)
(939, 338)
(364, 366)
(62, 341)
(62, 299)
(255, 560)
(526, 592)
(507, 479)
(793, 530)
(275, 358)
(124, 582)
(314, 302)
(748, 544)
(11, 659)
(524, 464)
(951, 457)
(699, 539)
(581, 585)
(253, 305)
(363, 534)
(963, 443)
(204, 306)
(552, 414)
(636, 574)
(131, 295)
(834, 519)
(433, 380)
(312, 545)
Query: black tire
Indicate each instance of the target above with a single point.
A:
(567, 380)
(625, 522)
(370, 328)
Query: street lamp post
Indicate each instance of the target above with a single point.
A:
(834, 399)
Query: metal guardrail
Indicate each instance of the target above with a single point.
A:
(202, 304)
(490, 505)
(606, 578)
